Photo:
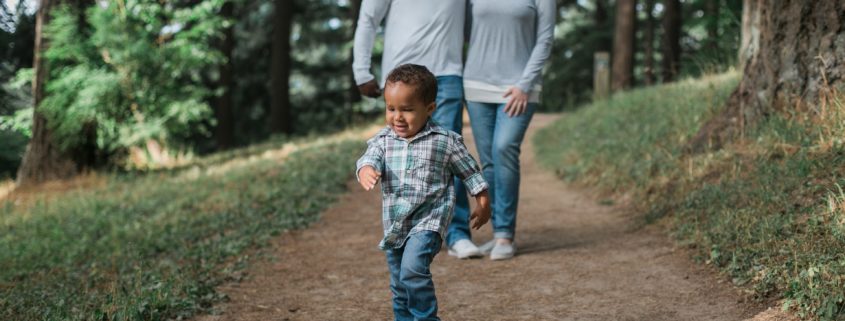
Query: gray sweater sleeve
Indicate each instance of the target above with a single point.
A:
(371, 15)
(546, 13)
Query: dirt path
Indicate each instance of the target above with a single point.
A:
(578, 260)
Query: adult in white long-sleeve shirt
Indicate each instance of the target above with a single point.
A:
(509, 43)
(428, 33)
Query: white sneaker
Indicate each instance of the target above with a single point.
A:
(487, 247)
(503, 251)
(464, 249)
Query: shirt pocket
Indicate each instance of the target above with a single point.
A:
(425, 173)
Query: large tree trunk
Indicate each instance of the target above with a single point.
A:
(44, 160)
(750, 31)
(225, 130)
(801, 53)
(671, 39)
(622, 69)
(648, 46)
(280, 114)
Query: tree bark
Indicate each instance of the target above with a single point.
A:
(671, 39)
(622, 68)
(44, 160)
(280, 113)
(750, 31)
(648, 46)
(801, 54)
(225, 130)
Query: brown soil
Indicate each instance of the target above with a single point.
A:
(577, 260)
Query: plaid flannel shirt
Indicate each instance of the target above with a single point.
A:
(418, 192)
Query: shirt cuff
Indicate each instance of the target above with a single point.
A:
(525, 87)
(475, 183)
(363, 78)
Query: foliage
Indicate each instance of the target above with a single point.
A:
(16, 52)
(568, 76)
(153, 247)
(767, 210)
(133, 70)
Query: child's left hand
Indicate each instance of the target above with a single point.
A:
(481, 214)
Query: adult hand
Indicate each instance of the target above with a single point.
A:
(368, 177)
(517, 103)
(370, 89)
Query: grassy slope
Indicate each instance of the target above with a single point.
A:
(767, 210)
(153, 247)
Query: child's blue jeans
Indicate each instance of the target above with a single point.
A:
(410, 277)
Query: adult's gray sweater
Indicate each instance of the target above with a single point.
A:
(509, 42)
(423, 32)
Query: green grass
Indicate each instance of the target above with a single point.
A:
(767, 209)
(153, 247)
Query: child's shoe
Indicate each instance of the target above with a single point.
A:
(464, 249)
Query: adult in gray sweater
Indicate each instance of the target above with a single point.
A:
(509, 43)
(429, 33)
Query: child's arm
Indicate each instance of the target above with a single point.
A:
(370, 165)
(462, 164)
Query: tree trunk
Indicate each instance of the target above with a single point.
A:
(671, 39)
(623, 46)
(44, 160)
(648, 46)
(224, 132)
(801, 54)
(280, 114)
(352, 93)
(711, 11)
(600, 21)
(750, 31)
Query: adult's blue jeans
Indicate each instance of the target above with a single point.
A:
(410, 277)
(449, 115)
(498, 138)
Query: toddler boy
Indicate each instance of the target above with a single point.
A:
(415, 161)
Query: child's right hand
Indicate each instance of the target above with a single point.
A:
(368, 177)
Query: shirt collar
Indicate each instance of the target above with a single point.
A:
(430, 127)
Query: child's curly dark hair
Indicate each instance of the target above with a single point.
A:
(418, 76)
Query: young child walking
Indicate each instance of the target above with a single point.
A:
(415, 161)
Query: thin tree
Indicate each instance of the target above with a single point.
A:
(622, 69)
(600, 20)
(648, 44)
(280, 113)
(796, 61)
(224, 114)
(352, 93)
(671, 39)
(711, 12)
(44, 160)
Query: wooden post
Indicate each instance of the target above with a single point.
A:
(601, 75)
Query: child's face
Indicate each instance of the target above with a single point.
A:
(405, 113)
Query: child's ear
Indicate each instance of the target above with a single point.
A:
(430, 108)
